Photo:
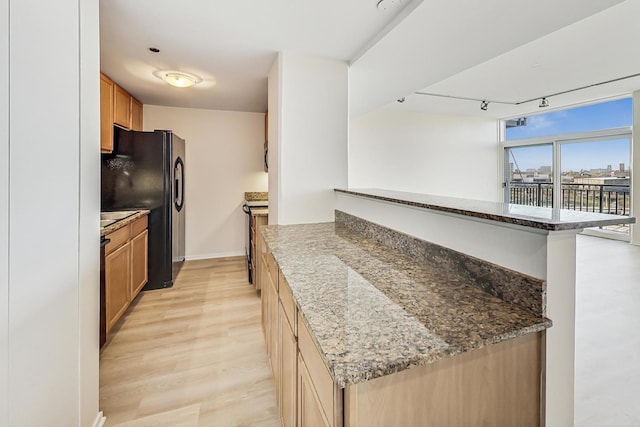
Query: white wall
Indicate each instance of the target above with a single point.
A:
(89, 251)
(312, 143)
(425, 153)
(224, 158)
(274, 106)
(49, 260)
(4, 212)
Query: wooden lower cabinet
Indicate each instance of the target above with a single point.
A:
(117, 270)
(288, 370)
(125, 268)
(496, 385)
(274, 332)
(139, 261)
(310, 412)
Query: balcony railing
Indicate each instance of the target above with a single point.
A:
(603, 198)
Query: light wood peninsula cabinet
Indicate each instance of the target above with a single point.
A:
(305, 392)
(125, 268)
(496, 384)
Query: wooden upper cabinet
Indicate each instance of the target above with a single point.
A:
(122, 108)
(118, 107)
(136, 114)
(106, 113)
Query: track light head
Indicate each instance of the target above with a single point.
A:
(543, 103)
(401, 100)
(484, 105)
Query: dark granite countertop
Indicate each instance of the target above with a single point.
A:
(373, 311)
(528, 216)
(123, 222)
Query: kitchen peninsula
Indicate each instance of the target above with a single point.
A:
(537, 242)
(390, 330)
(412, 309)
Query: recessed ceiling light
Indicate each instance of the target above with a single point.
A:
(387, 4)
(178, 78)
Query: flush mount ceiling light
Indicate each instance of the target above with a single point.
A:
(387, 4)
(178, 78)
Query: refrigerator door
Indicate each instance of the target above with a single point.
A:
(137, 175)
(178, 209)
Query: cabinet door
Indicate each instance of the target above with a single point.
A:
(309, 409)
(106, 114)
(257, 246)
(117, 271)
(122, 107)
(274, 332)
(264, 297)
(288, 376)
(139, 259)
(136, 114)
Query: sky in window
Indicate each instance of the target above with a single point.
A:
(579, 156)
(605, 115)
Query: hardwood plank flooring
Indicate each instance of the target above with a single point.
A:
(194, 355)
(191, 355)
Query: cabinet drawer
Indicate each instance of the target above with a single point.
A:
(138, 226)
(288, 304)
(118, 238)
(322, 381)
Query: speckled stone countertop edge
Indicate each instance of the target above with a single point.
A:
(123, 222)
(515, 219)
(343, 380)
(256, 195)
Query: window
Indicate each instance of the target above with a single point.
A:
(606, 115)
(576, 159)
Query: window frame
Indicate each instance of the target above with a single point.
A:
(556, 141)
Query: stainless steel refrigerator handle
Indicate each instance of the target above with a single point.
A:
(178, 173)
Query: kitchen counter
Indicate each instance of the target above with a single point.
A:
(373, 310)
(123, 222)
(251, 196)
(548, 219)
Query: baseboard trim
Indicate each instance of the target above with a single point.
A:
(100, 420)
(214, 255)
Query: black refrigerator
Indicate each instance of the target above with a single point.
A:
(146, 171)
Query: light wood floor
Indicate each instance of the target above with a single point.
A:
(191, 355)
(607, 334)
(194, 355)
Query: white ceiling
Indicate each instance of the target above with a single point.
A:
(502, 50)
(599, 48)
(232, 42)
